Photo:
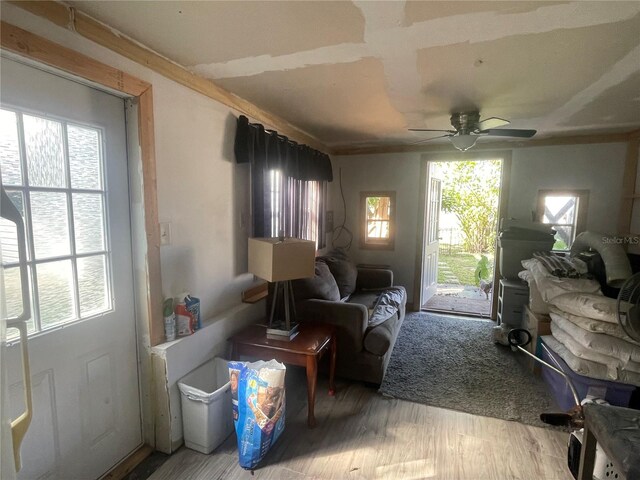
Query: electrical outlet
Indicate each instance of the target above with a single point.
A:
(165, 233)
(329, 221)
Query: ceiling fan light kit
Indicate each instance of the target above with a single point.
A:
(463, 142)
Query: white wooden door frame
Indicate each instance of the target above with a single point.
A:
(19, 43)
(505, 156)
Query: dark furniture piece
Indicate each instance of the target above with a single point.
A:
(343, 295)
(617, 430)
(304, 350)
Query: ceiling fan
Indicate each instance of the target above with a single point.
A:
(469, 127)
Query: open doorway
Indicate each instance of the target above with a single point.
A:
(461, 220)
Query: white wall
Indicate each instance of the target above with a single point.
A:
(597, 168)
(399, 173)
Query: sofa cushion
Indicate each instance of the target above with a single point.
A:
(379, 338)
(344, 272)
(322, 286)
(368, 299)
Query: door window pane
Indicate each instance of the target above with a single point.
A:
(50, 224)
(9, 149)
(88, 221)
(8, 231)
(60, 161)
(55, 293)
(92, 283)
(45, 152)
(84, 157)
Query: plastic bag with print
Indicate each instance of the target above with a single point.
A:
(258, 398)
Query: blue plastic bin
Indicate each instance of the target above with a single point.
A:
(615, 393)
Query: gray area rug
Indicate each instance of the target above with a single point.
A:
(452, 362)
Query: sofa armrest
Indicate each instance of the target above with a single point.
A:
(374, 278)
(350, 319)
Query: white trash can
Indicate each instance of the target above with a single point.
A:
(207, 417)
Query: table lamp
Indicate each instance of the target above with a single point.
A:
(281, 260)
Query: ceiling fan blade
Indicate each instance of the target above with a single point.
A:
(432, 138)
(509, 132)
(430, 130)
(492, 122)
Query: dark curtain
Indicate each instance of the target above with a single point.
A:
(294, 200)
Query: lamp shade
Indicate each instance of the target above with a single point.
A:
(275, 261)
(463, 142)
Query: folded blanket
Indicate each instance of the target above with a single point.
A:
(561, 266)
(587, 367)
(593, 325)
(550, 286)
(605, 344)
(613, 365)
(388, 303)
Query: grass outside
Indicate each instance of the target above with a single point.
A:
(463, 266)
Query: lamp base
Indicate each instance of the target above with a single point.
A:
(278, 331)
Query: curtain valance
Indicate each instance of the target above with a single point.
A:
(269, 150)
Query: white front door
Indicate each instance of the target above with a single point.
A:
(63, 162)
(431, 240)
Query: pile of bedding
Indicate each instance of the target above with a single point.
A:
(584, 323)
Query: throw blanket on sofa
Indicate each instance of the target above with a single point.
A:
(386, 306)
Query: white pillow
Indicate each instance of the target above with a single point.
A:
(588, 305)
(536, 303)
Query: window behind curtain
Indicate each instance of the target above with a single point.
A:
(296, 207)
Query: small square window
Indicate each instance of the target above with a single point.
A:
(378, 220)
(566, 212)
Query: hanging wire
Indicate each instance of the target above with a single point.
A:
(342, 229)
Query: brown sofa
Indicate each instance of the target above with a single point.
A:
(342, 295)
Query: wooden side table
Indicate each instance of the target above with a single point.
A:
(305, 350)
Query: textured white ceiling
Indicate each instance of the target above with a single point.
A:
(362, 72)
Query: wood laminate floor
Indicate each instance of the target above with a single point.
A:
(364, 435)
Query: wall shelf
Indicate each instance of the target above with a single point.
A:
(255, 294)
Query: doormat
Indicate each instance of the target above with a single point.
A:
(452, 362)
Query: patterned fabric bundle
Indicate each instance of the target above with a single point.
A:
(560, 266)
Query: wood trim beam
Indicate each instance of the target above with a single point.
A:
(498, 145)
(85, 26)
(146, 137)
(628, 186)
(36, 48)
